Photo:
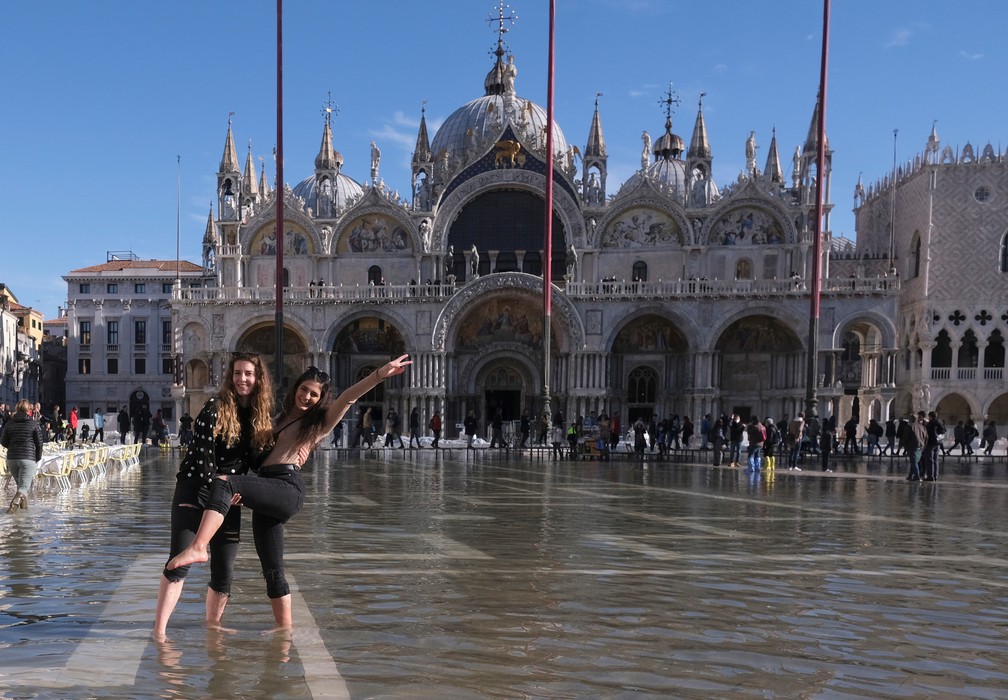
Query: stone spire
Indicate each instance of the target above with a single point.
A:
(773, 170)
(422, 152)
(596, 141)
(263, 182)
(699, 145)
(229, 161)
(250, 189)
(210, 237)
(812, 140)
(328, 158)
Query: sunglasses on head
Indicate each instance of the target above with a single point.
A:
(313, 371)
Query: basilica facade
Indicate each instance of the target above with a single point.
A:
(670, 295)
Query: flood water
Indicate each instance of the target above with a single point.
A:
(424, 575)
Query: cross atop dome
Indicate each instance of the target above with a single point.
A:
(504, 14)
(329, 108)
(670, 98)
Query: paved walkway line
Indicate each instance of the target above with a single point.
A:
(320, 672)
(111, 652)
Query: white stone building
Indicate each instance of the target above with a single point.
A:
(121, 342)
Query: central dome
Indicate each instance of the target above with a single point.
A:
(483, 119)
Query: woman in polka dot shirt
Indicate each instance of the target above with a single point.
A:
(232, 426)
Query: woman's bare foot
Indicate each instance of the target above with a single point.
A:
(189, 555)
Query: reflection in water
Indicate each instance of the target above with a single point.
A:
(433, 576)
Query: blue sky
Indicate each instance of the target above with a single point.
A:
(102, 97)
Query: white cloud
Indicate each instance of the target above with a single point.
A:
(901, 37)
(970, 56)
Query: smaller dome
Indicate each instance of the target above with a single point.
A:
(669, 144)
(332, 161)
(344, 191)
(670, 172)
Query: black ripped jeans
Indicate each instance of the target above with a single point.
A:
(274, 496)
(186, 513)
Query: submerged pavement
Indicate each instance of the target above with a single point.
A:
(460, 575)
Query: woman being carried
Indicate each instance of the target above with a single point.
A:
(229, 427)
(277, 493)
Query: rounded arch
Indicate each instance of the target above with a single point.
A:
(369, 334)
(567, 325)
(997, 411)
(565, 207)
(263, 332)
(758, 366)
(873, 329)
(786, 317)
(749, 221)
(258, 236)
(197, 374)
(643, 221)
(260, 338)
(649, 330)
(954, 406)
(386, 314)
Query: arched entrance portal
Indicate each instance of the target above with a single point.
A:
(498, 358)
(507, 384)
(759, 368)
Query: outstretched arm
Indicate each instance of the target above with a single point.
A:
(343, 402)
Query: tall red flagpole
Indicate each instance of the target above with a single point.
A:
(811, 399)
(279, 314)
(548, 244)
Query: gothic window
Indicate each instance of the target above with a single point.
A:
(1004, 254)
(743, 270)
(994, 353)
(969, 353)
(286, 277)
(915, 255)
(640, 271)
(642, 386)
(374, 275)
(941, 355)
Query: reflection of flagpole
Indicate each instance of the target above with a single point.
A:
(279, 315)
(548, 243)
(811, 400)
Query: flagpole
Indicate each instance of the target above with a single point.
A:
(811, 398)
(548, 243)
(279, 193)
